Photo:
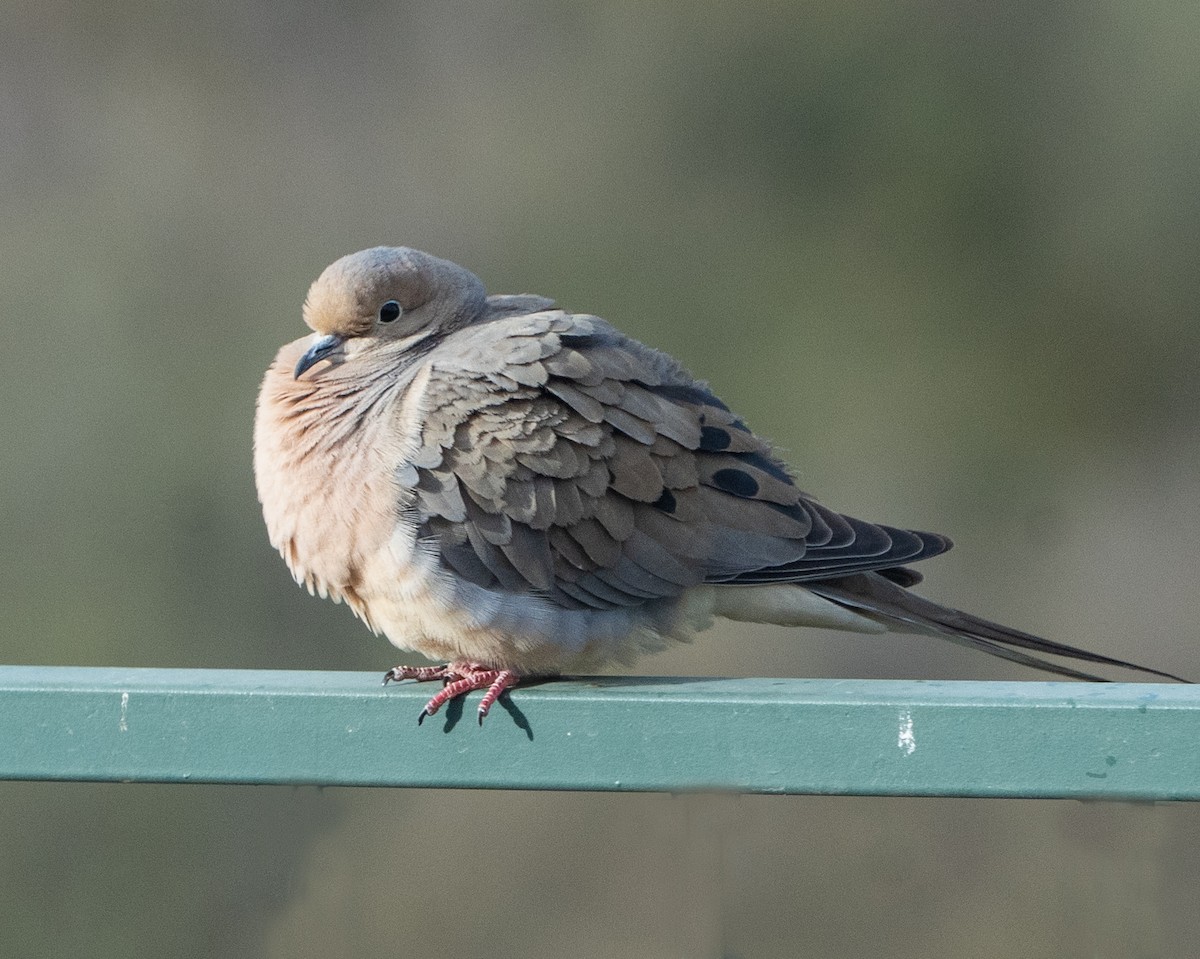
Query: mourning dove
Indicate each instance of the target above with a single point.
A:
(524, 492)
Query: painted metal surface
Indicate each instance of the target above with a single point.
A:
(851, 737)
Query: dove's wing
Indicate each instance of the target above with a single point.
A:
(558, 457)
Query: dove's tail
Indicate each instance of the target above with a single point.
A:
(884, 600)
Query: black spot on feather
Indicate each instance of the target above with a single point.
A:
(666, 502)
(714, 439)
(767, 465)
(736, 482)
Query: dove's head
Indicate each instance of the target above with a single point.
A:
(385, 296)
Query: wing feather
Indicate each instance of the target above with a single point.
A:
(560, 459)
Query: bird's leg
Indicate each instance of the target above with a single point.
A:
(460, 678)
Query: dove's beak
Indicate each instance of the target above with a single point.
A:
(321, 347)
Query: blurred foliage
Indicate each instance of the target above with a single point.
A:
(943, 253)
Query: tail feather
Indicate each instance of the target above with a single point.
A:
(883, 599)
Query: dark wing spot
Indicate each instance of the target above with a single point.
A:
(666, 502)
(736, 482)
(767, 465)
(714, 439)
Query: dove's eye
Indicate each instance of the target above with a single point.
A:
(389, 311)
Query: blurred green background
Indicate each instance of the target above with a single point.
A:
(944, 254)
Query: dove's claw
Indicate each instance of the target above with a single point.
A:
(460, 678)
(500, 681)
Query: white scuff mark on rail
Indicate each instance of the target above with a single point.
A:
(907, 740)
(123, 722)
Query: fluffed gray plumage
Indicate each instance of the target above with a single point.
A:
(525, 491)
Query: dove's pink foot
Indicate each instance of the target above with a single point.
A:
(460, 678)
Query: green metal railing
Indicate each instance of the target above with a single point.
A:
(1035, 739)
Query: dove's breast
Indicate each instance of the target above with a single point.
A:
(322, 470)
